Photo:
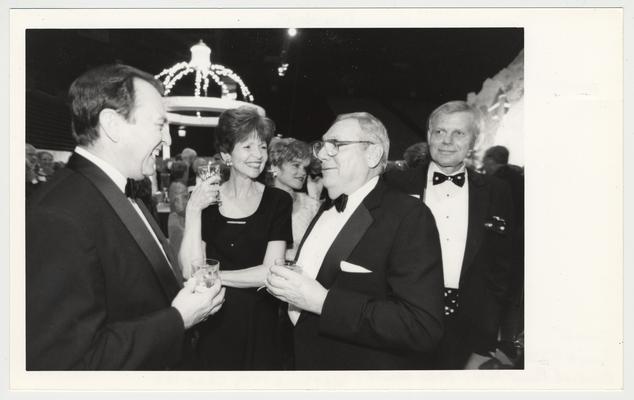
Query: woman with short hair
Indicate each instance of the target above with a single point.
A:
(289, 163)
(245, 225)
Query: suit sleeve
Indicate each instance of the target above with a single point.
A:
(66, 319)
(410, 317)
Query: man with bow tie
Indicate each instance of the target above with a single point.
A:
(369, 295)
(103, 289)
(473, 213)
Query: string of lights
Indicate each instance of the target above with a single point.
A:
(201, 64)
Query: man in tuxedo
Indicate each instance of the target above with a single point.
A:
(495, 162)
(473, 213)
(370, 292)
(101, 287)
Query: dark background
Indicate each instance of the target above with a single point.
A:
(399, 75)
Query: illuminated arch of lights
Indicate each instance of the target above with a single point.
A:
(200, 65)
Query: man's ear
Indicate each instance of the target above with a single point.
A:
(110, 122)
(374, 155)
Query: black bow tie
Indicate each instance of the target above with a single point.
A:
(339, 203)
(130, 188)
(439, 178)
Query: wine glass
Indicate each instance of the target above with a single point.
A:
(210, 170)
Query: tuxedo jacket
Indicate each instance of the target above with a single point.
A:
(389, 317)
(98, 288)
(484, 277)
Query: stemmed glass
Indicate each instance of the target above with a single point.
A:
(210, 170)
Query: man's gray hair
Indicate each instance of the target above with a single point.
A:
(374, 129)
(188, 152)
(457, 106)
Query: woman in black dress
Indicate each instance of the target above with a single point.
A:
(246, 233)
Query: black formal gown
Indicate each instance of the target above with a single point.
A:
(244, 334)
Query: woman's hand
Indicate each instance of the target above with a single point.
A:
(204, 194)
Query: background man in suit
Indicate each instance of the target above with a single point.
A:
(473, 214)
(496, 163)
(101, 291)
(370, 295)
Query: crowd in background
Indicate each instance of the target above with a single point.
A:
(292, 168)
(181, 168)
(40, 166)
(270, 192)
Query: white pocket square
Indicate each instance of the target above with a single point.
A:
(348, 267)
(417, 196)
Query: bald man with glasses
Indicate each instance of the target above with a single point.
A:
(369, 293)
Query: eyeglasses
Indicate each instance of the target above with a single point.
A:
(332, 146)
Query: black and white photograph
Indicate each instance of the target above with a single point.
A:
(407, 309)
(227, 199)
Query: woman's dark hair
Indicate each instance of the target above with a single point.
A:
(499, 154)
(416, 154)
(237, 124)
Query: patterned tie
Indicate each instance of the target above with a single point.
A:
(457, 179)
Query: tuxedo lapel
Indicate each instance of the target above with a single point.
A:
(418, 181)
(478, 200)
(131, 219)
(164, 243)
(344, 243)
(348, 238)
(309, 229)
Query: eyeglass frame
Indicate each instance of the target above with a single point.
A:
(336, 143)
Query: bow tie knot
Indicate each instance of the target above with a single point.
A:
(339, 203)
(131, 188)
(457, 179)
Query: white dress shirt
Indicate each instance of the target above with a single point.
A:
(449, 203)
(323, 234)
(120, 181)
